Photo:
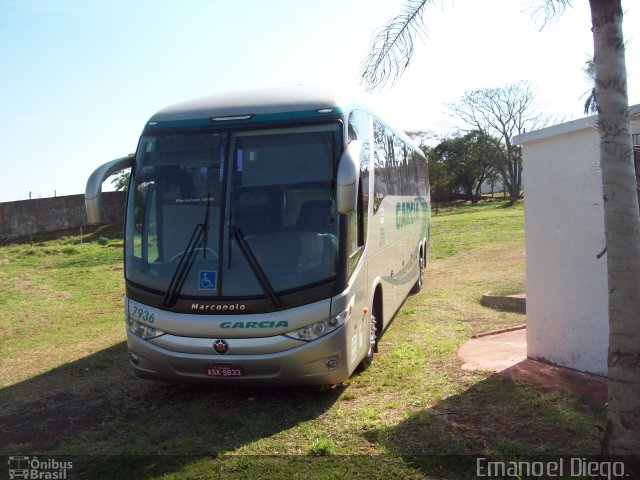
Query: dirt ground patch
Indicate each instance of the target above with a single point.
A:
(585, 386)
(506, 353)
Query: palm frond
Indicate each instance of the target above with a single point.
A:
(392, 46)
(548, 11)
(590, 104)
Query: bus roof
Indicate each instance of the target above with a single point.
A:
(252, 106)
(296, 100)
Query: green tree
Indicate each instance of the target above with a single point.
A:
(453, 157)
(490, 155)
(438, 176)
(121, 181)
(390, 55)
(468, 160)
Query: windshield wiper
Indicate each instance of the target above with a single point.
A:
(180, 274)
(255, 266)
(198, 237)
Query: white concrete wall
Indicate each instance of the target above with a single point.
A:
(567, 319)
(567, 312)
(567, 301)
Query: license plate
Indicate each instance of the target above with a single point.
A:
(223, 370)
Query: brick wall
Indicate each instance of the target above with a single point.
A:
(58, 213)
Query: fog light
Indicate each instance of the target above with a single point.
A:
(134, 358)
(332, 363)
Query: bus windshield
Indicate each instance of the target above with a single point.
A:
(233, 214)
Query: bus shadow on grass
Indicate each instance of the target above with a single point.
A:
(498, 417)
(96, 409)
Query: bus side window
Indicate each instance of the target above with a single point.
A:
(381, 184)
(362, 215)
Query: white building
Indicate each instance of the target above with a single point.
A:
(567, 313)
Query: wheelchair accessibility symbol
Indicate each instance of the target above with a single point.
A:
(207, 280)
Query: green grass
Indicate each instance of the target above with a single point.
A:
(67, 389)
(60, 301)
(464, 226)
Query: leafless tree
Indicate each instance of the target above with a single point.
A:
(503, 112)
(421, 136)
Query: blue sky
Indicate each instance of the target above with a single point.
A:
(79, 78)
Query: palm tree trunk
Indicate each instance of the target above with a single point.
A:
(622, 230)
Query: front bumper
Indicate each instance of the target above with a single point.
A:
(305, 364)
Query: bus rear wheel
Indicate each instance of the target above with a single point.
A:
(418, 285)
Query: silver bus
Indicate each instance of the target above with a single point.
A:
(270, 237)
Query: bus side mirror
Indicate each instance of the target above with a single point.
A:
(348, 176)
(93, 192)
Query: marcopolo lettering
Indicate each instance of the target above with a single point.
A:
(217, 307)
(263, 324)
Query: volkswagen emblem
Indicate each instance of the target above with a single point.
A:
(220, 346)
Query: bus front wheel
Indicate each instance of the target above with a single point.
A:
(373, 340)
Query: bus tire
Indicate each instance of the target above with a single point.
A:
(373, 342)
(418, 285)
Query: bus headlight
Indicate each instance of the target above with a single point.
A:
(143, 331)
(321, 328)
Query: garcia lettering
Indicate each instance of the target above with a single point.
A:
(263, 324)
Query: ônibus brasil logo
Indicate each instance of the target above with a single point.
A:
(35, 468)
